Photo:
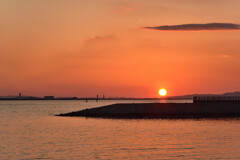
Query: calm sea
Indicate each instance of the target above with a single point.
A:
(29, 130)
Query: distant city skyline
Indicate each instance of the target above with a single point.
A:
(103, 97)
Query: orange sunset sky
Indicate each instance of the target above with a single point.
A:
(88, 47)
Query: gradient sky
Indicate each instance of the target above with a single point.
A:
(83, 48)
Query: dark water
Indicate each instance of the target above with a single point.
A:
(28, 130)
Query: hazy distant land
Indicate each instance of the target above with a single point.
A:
(237, 93)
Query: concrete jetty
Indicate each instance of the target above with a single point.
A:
(198, 109)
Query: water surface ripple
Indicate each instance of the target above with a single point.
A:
(28, 130)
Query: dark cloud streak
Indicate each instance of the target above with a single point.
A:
(197, 27)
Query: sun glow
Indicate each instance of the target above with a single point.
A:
(162, 92)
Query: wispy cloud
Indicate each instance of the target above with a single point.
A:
(101, 38)
(197, 27)
(225, 56)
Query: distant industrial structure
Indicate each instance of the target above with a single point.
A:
(48, 97)
(211, 99)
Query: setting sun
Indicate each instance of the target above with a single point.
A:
(162, 92)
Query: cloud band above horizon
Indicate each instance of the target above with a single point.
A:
(197, 27)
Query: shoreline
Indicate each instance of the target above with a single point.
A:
(91, 99)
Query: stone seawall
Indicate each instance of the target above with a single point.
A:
(161, 110)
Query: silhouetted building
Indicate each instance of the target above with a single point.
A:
(48, 97)
(210, 99)
(20, 95)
